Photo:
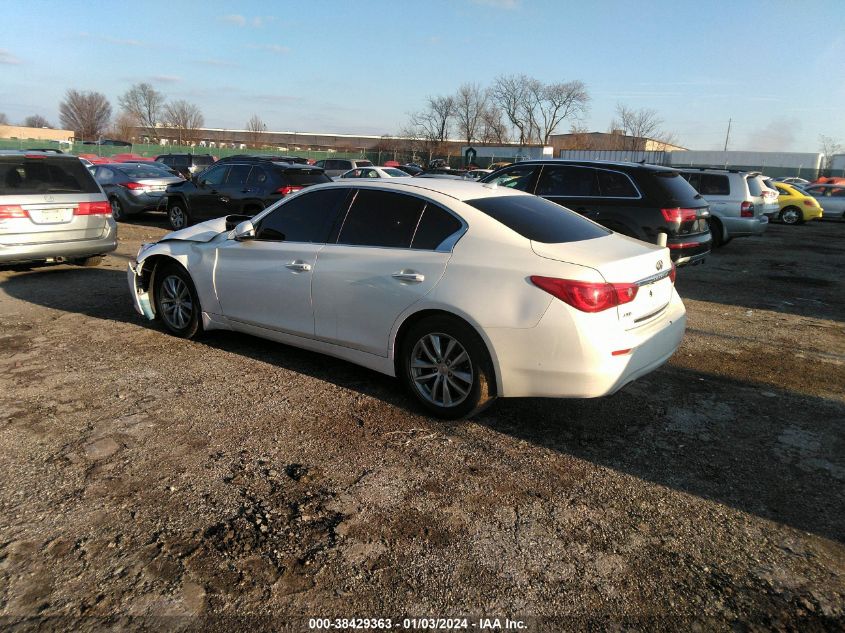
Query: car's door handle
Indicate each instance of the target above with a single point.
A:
(409, 276)
(299, 266)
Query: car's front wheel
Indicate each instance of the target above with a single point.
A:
(445, 365)
(176, 301)
(177, 215)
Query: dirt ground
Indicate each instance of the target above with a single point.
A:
(149, 483)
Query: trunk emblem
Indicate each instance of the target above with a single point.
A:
(659, 264)
(49, 199)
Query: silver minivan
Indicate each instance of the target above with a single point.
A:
(738, 207)
(52, 209)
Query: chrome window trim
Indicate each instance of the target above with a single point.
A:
(639, 195)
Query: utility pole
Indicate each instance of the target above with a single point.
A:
(728, 134)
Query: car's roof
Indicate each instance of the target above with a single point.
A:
(589, 163)
(458, 189)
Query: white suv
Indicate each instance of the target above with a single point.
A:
(739, 201)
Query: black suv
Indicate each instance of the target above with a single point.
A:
(240, 185)
(186, 164)
(634, 199)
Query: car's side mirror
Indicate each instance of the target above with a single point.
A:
(245, 231)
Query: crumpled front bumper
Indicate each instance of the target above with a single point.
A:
(140, 297)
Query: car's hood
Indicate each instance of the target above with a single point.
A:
(202, 232)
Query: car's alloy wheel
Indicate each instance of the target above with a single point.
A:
(176, 301)
(178, 216)
(446, 367)
(117, 210)
(790, 215)
(441, 370)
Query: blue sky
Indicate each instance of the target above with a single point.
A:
(774, 67)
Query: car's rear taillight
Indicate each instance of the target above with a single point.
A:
(673, 273)
(134, 186)
(678, 215)
(746, 210)
(93, 208)
(288, 189)
(587, 296)
(12, 211)
(680, 245)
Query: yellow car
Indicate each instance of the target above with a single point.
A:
(795, 206)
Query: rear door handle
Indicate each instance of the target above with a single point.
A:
(299, 266)
(410, 276)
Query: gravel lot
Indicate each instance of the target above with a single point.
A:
(236, 484)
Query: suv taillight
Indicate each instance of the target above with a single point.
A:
(288, 189)
(12, 211)
(746, 210)
(587, 296)
(678, 215)
(93, 208)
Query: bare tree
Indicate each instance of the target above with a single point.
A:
(555, 103)
(185, 117)
(124, 127)
(432, 124)
(470, 106)
(4, 120)
(36, 120)
(145, 103)
(511, 94)
(639, 125)
(86, 113)
(255, 126)
(828, 146)
(493, 127)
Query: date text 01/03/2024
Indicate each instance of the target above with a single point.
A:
(417, 623)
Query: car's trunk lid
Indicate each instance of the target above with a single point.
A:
(622, 260)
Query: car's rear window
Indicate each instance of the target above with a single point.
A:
(144, 172)
(675, 186)
(26, 176)
(203, 160)
(754, 187)
(295, 176)
(538, 219)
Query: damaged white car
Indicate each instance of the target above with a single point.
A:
(464, 291)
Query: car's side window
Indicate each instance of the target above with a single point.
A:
(434, 227)
(166, 160)
(614, 184)
(215, 175)
(381, 218)
(104, 175)
(238, 175)
(308, 217)
(566, 180)
(257, 177)
(320, 163)
(355, 173)
(180, 161)
(516, 177)
(714, 185)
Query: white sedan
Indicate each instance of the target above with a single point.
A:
(373, 172)
(464, 291)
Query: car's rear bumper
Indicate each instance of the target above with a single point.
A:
(57, 250)
(560, 359)
(744, 227)
(689, 249)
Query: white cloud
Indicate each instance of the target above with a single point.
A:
(272, 48)
(6, 57)
(260, 20)
(167, 79)
(237, 20)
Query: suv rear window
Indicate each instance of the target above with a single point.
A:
(26, 176)
(754, 187)
(675, 186)
(538, 219)
(303, 177)
(203, 160)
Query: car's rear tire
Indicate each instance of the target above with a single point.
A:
(89, 262)
(446, 367)
(177, 215)
(717, 232)
(176, 301)
(117, 211)
(791, 215)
